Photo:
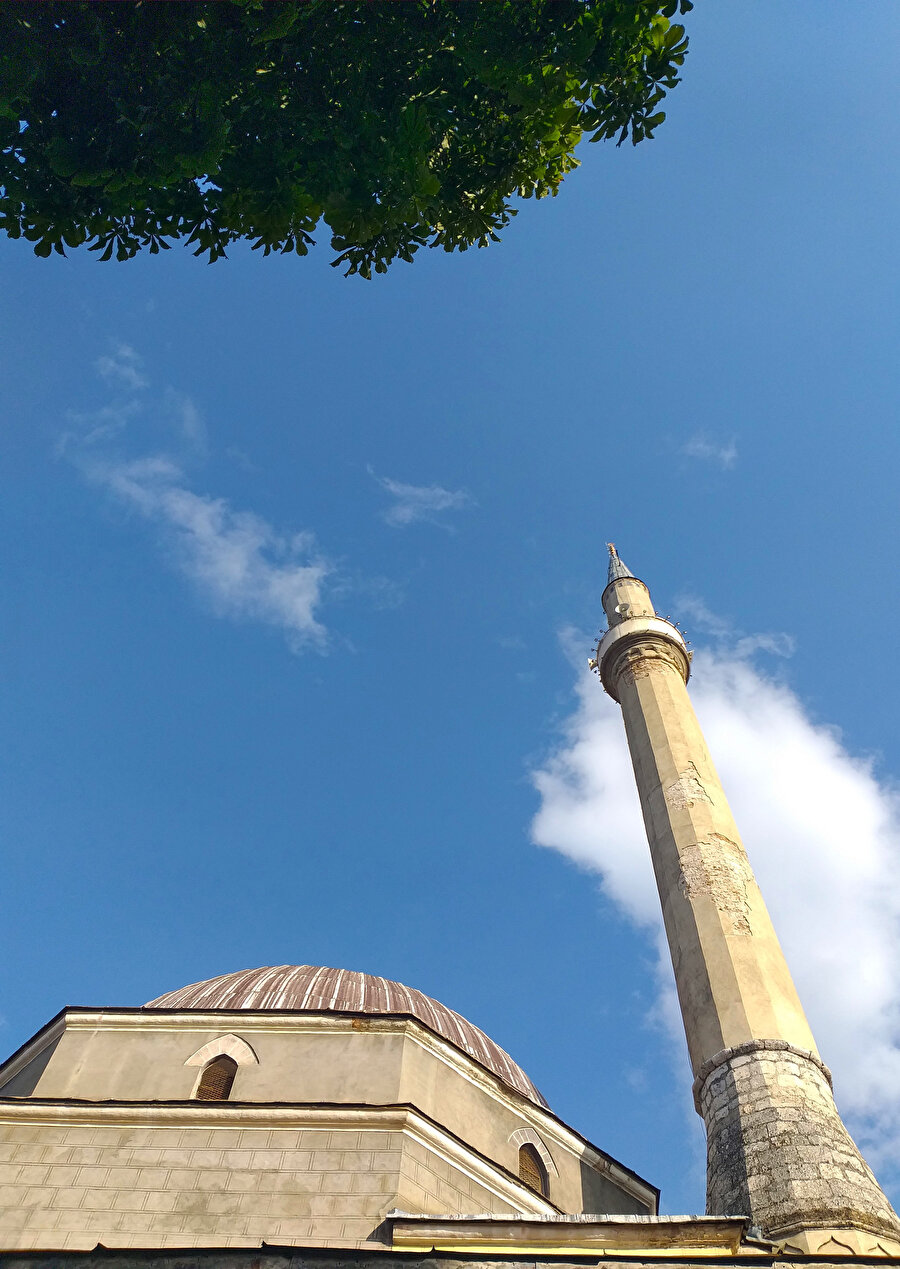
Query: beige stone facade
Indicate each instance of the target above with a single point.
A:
(74, 1184)
(332, 1122)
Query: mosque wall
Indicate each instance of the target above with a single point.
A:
(134, 1056)
(332, 1122)
(101, 1057)
(577, 1175)
(72, 1184)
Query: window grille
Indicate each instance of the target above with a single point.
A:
(216, 1080)
(532, 1170)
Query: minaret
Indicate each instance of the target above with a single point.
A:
(777, 1151)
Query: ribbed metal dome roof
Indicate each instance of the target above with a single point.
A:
(315, 989)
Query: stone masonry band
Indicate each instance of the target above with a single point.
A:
(777, 1150)
(752, 1046)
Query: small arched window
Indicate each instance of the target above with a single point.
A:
(217, 1079)
(532, 1170)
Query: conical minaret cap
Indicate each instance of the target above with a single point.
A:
(617, 568)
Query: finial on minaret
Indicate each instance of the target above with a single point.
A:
(616, 567)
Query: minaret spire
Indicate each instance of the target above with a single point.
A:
(777, 1149)
(617, 568)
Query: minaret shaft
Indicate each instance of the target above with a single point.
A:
(777, 1149)
(733, 981)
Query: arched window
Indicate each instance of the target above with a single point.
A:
(216, 1080)
(532, 1170)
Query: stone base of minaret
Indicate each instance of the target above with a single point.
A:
(778, 1152)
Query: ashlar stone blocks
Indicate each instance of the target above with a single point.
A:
(72, 1185)
(777, 1150)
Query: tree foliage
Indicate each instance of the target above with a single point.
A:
(127, 124)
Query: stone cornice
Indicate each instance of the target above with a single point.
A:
(584, 1234)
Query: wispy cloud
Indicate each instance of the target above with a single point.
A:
(123, 367)
(823, 833)
(419, 502)
(723, 454)
(725, 635)
(94, 427)
(240, 564)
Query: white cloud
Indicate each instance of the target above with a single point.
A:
(239, 563)
(823, 833)
(700, 446)
(123, 367)
(726, 637)
(419, 502)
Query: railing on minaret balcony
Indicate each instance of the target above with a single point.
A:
(777, 1151)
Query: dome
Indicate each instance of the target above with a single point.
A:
(315, 989)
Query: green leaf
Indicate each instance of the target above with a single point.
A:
(282, 24)
(63, 156)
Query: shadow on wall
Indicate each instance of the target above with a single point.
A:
(24, 1082)
(600, 1197)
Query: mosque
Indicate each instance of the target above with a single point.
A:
(282, 1117)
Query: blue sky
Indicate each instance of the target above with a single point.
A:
(288, 560)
